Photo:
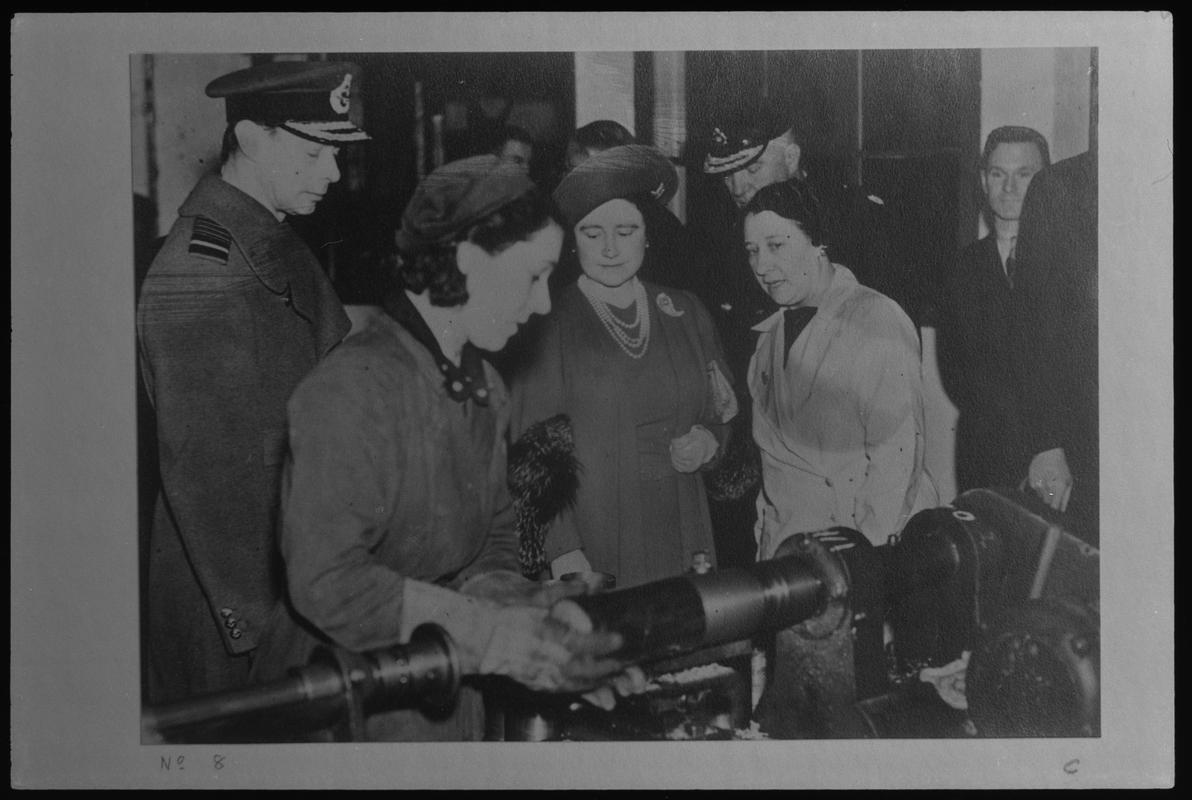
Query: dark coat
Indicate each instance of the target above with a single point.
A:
(234, 311)
(974, 351)
(861, 237)
(1055, 332)
(635, 516)
(390, 479)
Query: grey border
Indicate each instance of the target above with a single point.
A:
(74, 631)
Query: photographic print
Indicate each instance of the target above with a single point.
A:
(579, 413)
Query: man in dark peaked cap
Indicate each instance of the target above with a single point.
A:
(751, 149)
(234, 311)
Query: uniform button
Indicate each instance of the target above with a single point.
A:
(231, 622)
(236, 633)
(225, 612)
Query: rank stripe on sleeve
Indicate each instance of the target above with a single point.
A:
(211, 240)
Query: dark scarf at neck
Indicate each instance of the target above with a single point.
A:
(463, 382)
(794, 320)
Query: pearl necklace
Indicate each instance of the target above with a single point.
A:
(632, 346)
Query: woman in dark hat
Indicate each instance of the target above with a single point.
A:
(395, 508)
(639, 371)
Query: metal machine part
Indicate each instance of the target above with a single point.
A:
(999, 578)
(684, 631)
(954, 570)
(823, 665)
(338, 688)
(1036, 672)
(666, 618)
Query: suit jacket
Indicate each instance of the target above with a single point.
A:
(234, 311)
(1055, 316)
(976, 366)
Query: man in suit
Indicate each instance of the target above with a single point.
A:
(234, 311)
(1055, 340)
(975, 347)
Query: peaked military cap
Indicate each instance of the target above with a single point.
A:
(733, 147)
(309, 99)
(619, 172)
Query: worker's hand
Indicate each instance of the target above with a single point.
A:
(1050, 478)
(630, 682)
(552, 650)
(693, 449)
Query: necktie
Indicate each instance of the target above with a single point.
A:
(1011, 261)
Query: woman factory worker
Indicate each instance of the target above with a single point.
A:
(639, 371)
(395, 508)
(836, 386)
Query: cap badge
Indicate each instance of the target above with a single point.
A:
(718, 136)
(341, 95)
(659, 191)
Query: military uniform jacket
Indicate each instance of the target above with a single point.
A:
(234, 312)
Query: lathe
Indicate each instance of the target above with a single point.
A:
(980, 618)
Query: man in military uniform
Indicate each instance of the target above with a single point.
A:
(753, 150)
(234, 311)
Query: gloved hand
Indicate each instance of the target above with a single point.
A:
(550, 651)
(545, 649)
(631, 681)
(1050, 478)
(693, 449)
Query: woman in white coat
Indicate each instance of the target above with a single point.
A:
(836, 386)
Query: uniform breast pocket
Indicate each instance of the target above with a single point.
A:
(273, 447)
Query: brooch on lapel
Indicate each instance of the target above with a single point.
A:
(668, 306)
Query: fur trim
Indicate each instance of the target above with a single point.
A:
(738, 473)
(543, 480)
